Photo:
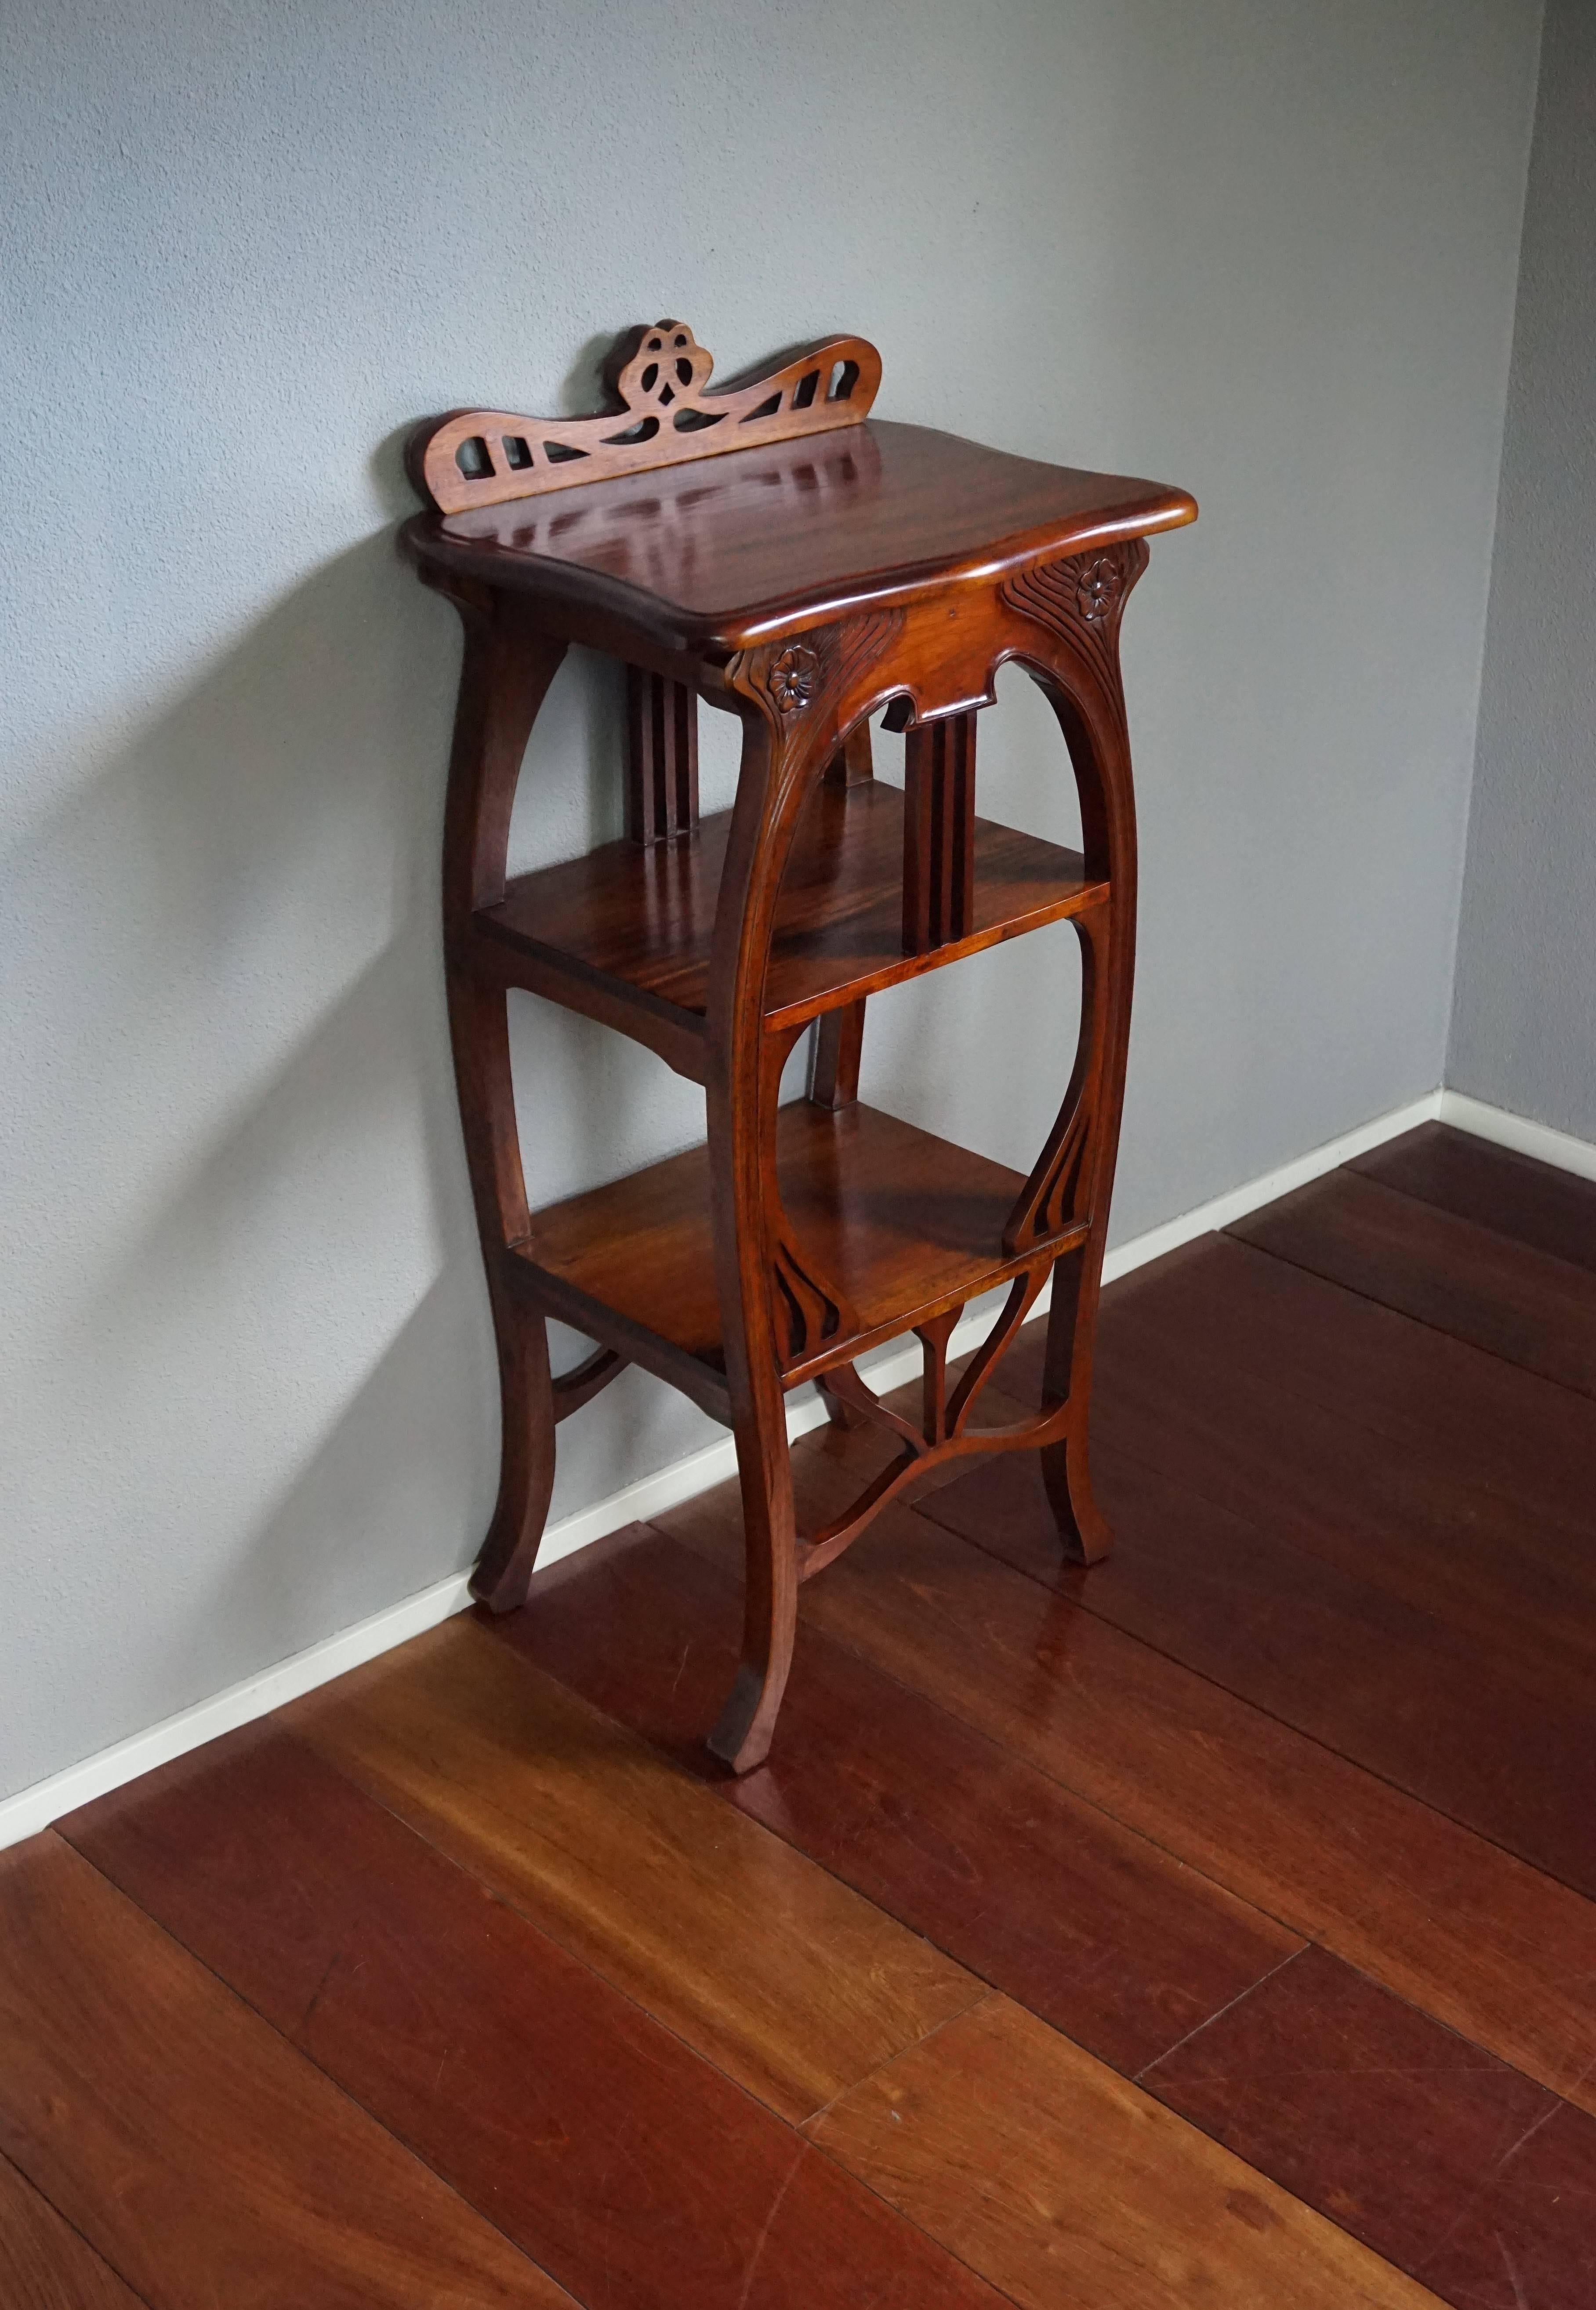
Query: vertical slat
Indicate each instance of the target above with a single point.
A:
(662, 768)
(839, 1036)
(939, 833)
(851, 764)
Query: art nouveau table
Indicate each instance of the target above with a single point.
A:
(827, 568)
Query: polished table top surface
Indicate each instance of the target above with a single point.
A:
(732, 550)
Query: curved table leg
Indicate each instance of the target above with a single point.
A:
(742, 1738)
(1080, 601)
(794, 702)
(504, 678)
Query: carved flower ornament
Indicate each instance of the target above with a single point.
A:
(1100, 587)
(792, 678)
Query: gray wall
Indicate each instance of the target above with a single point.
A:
(1524, 1024)
(1261, 249)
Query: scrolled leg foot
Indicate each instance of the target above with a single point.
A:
(504, 1570)
(742, 1739)
(1066, 1380)
(1082, 1528)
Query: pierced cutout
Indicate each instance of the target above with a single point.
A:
(659, 412)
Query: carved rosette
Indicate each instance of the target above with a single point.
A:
(803, 683)
(1082, 599)
(793, 678)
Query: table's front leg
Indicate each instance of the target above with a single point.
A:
(1079, 603)
(795, 700)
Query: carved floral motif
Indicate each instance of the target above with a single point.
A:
(792, 678)
(1102, 582)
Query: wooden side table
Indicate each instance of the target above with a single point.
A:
(826, 567)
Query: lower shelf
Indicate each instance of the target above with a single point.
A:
(903, 1222)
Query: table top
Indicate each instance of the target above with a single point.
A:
(735, 549)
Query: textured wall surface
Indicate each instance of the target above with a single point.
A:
(1264, 250)
(1524, 1023)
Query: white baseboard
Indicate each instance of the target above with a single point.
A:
(1559, 1148)
(1222, 1210)
(34, 1809)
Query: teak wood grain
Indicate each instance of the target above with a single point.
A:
(783, 538)
(760, 1960)
(199, 2155)
(660, 414)
(551, 1955)
(1065, 2184)
(938, 834)
(1512, 1194)
(1489, 1945)
(1528, 1307)
(902, 1222)
(800, 587)
(1355, 1455)
(1097, 1931)
(595, 2139)
(624, 921)
(1478, 2183)
(44, 2264)
(1391, 1685)
(1501, 1428)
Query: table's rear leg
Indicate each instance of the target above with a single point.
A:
(504, 678)
(1081, 1175)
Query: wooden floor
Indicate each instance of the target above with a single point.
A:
(1215, 1928)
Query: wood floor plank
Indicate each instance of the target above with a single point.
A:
(1531, 1202)
(1095, 1929)
(788, 1980)
(1392, 1511)
(599, 2143)
(44, 2264)
(1522, 1305)
(1066, 2185)
(201, 2156)
(1380, 1680)
(1497, 1950)
(1219, 1304)
(1452, 2165)
(1276, 1432)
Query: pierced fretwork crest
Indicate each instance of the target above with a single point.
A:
(660, 412)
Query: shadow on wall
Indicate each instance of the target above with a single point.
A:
(258, 1382)
(247, 1267)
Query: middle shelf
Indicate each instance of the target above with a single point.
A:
(631, 925)
(906, 1224)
